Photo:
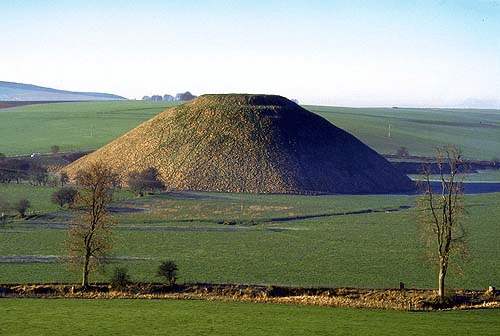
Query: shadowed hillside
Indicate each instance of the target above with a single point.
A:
(249, 143)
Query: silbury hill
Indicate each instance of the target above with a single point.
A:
(249, 143)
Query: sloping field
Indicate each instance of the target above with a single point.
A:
(72, 126)
(477, 132)
(90, 125)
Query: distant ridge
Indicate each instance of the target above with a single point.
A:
(10, 91)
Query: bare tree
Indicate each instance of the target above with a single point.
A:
(89, 238)
(63, 178)
(22, 206)
(441, 212)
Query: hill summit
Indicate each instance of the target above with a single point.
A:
(249, 143)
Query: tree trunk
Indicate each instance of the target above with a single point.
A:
(442, 275)
(85, 277)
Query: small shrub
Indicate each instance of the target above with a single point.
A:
(403, 152)
(63, 196)
(55, 149)
(4, 207)
(120, 278)
(168, 270)
(22, 206)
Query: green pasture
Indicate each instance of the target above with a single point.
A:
(361, 241)
(71, 126)
(476, 132)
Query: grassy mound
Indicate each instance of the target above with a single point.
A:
(249, 143)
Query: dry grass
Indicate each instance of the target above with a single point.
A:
(409, 299)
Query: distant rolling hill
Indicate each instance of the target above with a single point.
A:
(10, 91)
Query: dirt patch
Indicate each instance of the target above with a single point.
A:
(409, 299)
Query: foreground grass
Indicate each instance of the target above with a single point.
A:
(164, 317)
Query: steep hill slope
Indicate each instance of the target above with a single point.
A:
(249, 143)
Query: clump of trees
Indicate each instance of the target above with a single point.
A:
(18, 170)
(90, 236)
(144, 181)
(185, 96)
(64, 196)
(441, 210)
(168, 270)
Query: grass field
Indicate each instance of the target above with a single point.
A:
(72, 126)
(268, 239)
(89, 125)
(165, 317)
(476, 132)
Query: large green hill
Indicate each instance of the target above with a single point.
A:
(249, 143)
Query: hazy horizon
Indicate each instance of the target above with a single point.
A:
(356, 53)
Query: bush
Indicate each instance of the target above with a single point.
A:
(147, 180)
(55, 149)
(168, 270)
(22, 206)
(120, 278)
(4, 207)
(403, 152)
(63, 196)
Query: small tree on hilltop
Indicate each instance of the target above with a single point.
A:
(63, 196)
(89, 238)
(402, 152)
(147, 180)
(441, 213)
(168, 270)
(54, 149)
(22, 206)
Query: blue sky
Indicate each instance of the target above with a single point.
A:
(351, 53)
